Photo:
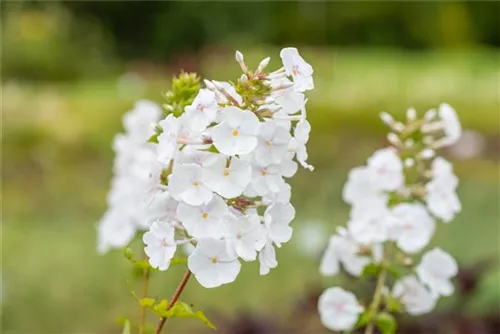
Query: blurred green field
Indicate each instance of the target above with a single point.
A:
(57, 167)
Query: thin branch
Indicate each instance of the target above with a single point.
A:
(174, 299)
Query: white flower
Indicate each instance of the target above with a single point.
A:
(371, 225)
(230, 90)
(416, 299)
(442, 201)
(203, 221)
(237, 132)
(442, 172)
(282, 196)
(386, 169)
(244, 235)
(227, 179)
(359, 191)
(451, 125)
(160, 245)
(266, 180)
(115, 230)
(343, 249)
(436, 269)
(162, 207)
(339, 309)
(211, 263)
(167, 140)
(414, 227)
(267, 258)
(203, 110)
(297, 67)
(277, 220)
(272, 145)
(290, 100)
(186, 184)
(138, 122)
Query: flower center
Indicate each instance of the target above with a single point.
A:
(263, 172)
(164, 243)
(226, 172)
(268, 143)
(200, 107)
(204, 215)
(214, 260)
(196, 183)
(235, 133)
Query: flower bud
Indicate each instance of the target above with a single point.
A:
(244, 79)
(393, 139)
(263, 64)
(411, 114)
(209, 84)
(239, 56)
(409, 162)
(430, 114)
(386, 118)
(427, 153)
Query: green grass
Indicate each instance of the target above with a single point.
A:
(57, 168)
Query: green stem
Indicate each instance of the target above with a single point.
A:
(377, 297)
(144, 294)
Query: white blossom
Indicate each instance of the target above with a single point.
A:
(415, 297)
(160, 245)
(298, 69)
(203, 110)
(204, 221)
(186, 184)
(339, 309)
(227, 177)
(442, 201)
(436, 269)
(386, 169)
(237, 133)
(244, 235)
(212, 264)
(451, 125)
(272, 145)
(277, 220)
(413, 227)
(267, 258)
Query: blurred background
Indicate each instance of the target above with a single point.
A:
(71, 69)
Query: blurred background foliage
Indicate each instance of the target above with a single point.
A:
(71, 69)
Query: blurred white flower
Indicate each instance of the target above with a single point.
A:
(413, 227)
(416, 299)
(338, 309)
(298, 69)
(436, 269)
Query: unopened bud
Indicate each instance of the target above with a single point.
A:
(430, 114)
(209, 84)
(409, 162)
(407, 261)
(386, 118)
(398, 126)
(409, 142)
(239, 56)
(393, 138)
(411, 114)
(269, 100)
(263, 64)
(427, 153)
(244, 79)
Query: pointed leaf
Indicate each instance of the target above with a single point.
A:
(386, 323)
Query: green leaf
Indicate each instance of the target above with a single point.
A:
(126, 327)
(394, 271)
(371, 270)
(147, 302)
(386, 323)
(160, 308)
(154, 138)
(183, 310)
(363, 319)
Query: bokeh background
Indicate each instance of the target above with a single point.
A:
(70, 70)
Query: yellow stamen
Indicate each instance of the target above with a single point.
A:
(204, 215)
(215, 260)
(226, 172)
(235, 133)
(196, 183)
(263, 172)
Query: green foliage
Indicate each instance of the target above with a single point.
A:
(386, 323)
(179, 310)
(371, 270)
(184, 89)
(126, 327)
(251, 91)
(363, 320)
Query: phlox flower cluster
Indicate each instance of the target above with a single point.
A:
(215, 175)
(396, 200)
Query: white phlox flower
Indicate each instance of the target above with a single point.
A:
(160, 245)
(338, 309)
(414, 296)
(436, 269)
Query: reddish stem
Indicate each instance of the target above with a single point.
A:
(174, 299)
